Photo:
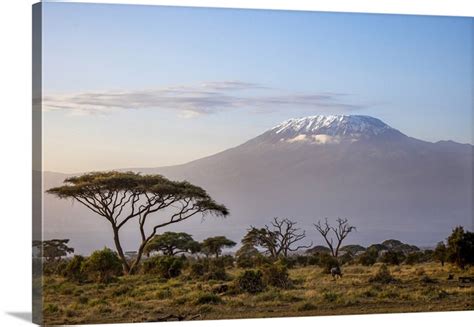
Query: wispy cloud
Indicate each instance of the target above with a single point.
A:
(203, 99)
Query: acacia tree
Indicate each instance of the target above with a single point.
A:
(120, 197)
(171, 243)
(460, 249)
(214, 245)
(340, 231)
(278, 238)
(53, 250)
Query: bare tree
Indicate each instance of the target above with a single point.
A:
(278, 239)
(340, 231)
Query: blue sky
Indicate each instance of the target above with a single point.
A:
(143, 86)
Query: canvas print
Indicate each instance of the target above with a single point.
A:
(203, 163)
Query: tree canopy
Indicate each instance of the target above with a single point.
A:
(440, 253)
(171, 243)
(214, 245)
(53, 249)
(120, 197)
(460, 250)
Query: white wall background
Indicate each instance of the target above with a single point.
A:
(15, 155)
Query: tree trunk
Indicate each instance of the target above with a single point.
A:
(133, 268)
(118, 246)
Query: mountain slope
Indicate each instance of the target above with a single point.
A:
(388, 184)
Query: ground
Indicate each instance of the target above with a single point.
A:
(421, 287)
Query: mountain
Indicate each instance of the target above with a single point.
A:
(388, 184)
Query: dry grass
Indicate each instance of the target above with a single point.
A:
(147, 298)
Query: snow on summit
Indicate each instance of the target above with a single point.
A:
(322, 129)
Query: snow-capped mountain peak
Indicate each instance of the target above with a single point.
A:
(322, 129)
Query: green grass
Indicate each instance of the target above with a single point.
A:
(140, 298)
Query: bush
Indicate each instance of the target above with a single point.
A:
(313, 260)
(392, 257)
(227, 261)
(74, 270)
(369, 257)
(414, 257)
(460, 249)
(251, 281)
(208, 269)
(197, 269)
(382, 276)
(276, 275)
(54, 267)
(248, 257)
(208, 298)
(306, 306)
(330, 296)
(302, 260)
(103, 265)
(215, 271)
(164, 266)
(327, 261)
(288, 262)
(346, 258)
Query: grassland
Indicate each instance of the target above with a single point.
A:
(139, 298)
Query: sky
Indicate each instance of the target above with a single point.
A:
(145, 86)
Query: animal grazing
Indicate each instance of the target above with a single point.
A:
(336, 272)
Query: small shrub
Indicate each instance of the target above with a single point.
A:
(330, 296)
(51, 308)
(54, 267)
(288, 262)
(251, 281)
(208, 298)
(83, 300)
(219, 289)
(306, 306)
(369, 293)
(216, 270)
(74, 270)
(382, 276)
(163, 266)
(103, 265)
(197, 269)
(276, 275)
(208, 269)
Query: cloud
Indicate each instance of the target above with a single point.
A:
(191, 101)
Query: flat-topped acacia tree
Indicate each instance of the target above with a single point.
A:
(120, 197)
